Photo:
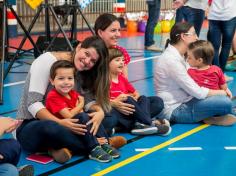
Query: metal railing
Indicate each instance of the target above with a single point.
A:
(91, 12)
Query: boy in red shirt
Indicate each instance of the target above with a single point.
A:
(139, 122)
(64, 102)
(200, 56)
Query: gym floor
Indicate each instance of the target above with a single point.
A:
(191, 149)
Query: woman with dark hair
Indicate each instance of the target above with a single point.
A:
(41, 130)
(185, 101)
(107, 27)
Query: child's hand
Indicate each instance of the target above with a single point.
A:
(122, 97)
(1, 157)
(102, 140)
(229, 93)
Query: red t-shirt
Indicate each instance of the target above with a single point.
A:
(55, 102)
(211, 78)
(125, 54)
(122, 87)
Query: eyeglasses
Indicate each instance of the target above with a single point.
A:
(188, 33)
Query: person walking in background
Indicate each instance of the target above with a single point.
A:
(191, 11)
(222, 23)
(153, 16)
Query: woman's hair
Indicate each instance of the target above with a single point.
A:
(104, 21)
(176, 31)
(114, 53)
(202, 49)
(60, 64)
(96, 80)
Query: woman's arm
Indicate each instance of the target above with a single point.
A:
(71, 124)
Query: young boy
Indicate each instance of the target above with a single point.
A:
(139, 122)
(64, 102)
(200, 56)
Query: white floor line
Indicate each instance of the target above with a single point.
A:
(230, 147)
(134, 61)
(184, 148)
(141, 149)
(14, 84)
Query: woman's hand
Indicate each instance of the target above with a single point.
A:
(74, 126)
(8, 124)
(229, 93)
(124, 108)
(96, 119)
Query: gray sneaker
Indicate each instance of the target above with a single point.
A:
(100, 155)
(110, 150)
(163, 130)
(142, 129)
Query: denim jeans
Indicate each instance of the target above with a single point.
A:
(10, 149)
(7, 169)
(220, 34)
(41, 135)
(192, 16)
(196, 110)
(153, 16)
(145, 109)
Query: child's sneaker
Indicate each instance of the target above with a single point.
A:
(26, 170)
(161, 122)
(163, 130)
(110, 150)
(61, 155)
(100, 155)
(142, 129)
(117, 141)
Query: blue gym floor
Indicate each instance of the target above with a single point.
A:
(195, 149)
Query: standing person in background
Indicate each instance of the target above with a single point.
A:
(192, 11)
(153, 16)
(222, 23)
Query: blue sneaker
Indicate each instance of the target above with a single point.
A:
(100, 155)
(142, 129)
(110, 150)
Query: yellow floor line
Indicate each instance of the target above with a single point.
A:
(147, 152)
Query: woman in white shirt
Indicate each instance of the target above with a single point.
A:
(185, 101)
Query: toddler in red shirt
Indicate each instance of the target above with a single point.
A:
(139, 121)
(66, 103)
(200, 56)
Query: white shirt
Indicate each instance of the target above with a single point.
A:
(222, 10)
(197, 4)
(172, 82)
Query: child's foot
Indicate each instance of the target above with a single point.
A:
(61, 155)
(117, 141)
(100, 155)
(142, 129)
(163, 127)
(111, 151)
(26, 170)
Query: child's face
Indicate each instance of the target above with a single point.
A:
(64, 80)
(193, 62)
(116, 65)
